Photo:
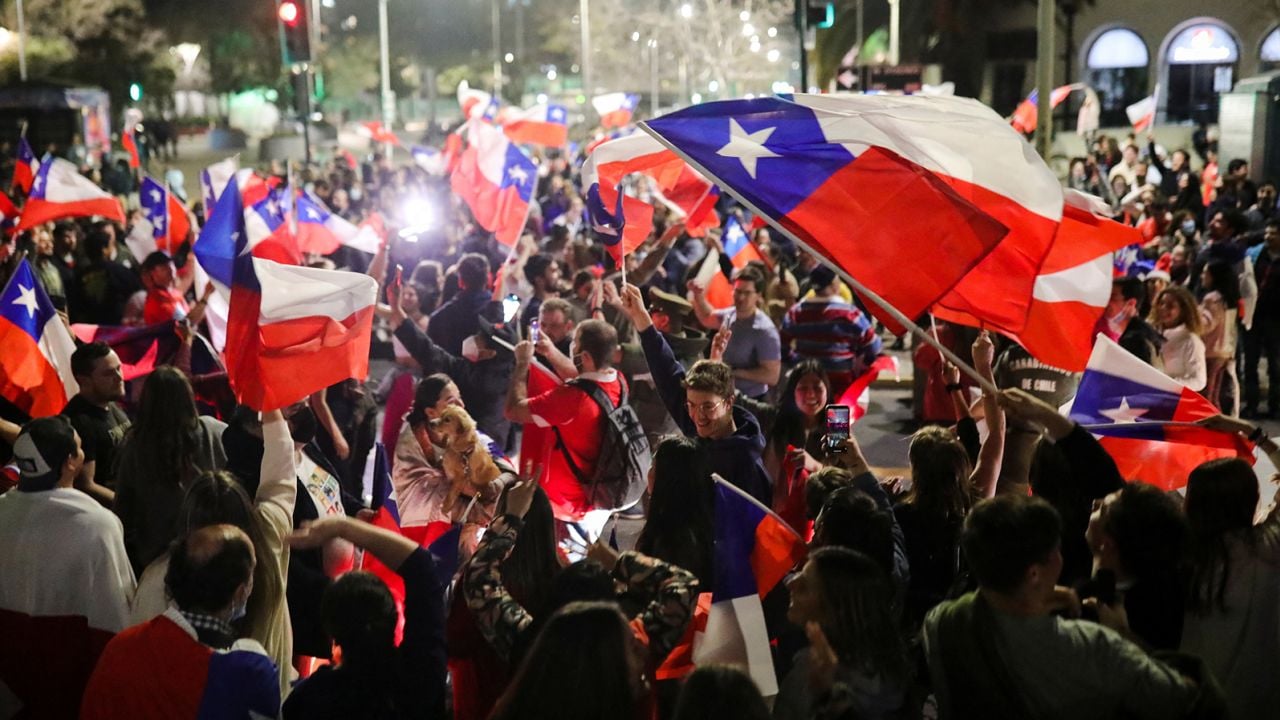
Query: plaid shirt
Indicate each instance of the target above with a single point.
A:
(212, 631)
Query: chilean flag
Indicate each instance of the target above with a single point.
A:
(754, 551)
(322, 232)
(9, 214)
(741, 250)
(270, 232)
(476, 103)
(1027, 114)
(543, 124)
(496, 180)
(59, 190)
(1142, 114)
(378, 133)
(1142, 417)
(678, 186)
(24, 171)
(35, 348)
(168, 217)
(858, 395)
(1074, 283)
(878, 183)
(430, 159)
(291, 330)
(131, 146)
(615, 109)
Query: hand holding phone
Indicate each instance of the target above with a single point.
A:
(535, 331)
(837, 428)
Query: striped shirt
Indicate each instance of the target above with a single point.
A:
(831, 331)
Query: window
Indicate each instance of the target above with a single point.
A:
(1270, 54)
(1116, 68)
(1201, 61)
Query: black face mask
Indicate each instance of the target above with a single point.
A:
(303, 426)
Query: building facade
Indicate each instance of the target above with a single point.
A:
(1185, 51)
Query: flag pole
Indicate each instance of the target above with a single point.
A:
(893, 312)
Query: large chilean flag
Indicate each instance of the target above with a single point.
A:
(291, 330)
(35, 348)
(59, 190)
(939, 185)
(878, 183)
(496, 180)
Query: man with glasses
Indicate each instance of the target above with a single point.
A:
(700, 401)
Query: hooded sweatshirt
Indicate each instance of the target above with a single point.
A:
(736, 458)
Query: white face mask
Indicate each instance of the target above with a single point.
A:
(470, 350)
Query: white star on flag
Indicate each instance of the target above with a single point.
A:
(27, 299)
(1124, 414)
(747, 147)
(518, 174)
(156, 196)
(311, 213)
(35, 184)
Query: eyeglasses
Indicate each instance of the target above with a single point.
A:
(706, 408)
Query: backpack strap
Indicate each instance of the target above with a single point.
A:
(598, 396)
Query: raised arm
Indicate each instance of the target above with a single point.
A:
(987, 472)
(665, 369)
(500, 619)
(657, 255)
(278, 487)
(517, 407)
(706, 314)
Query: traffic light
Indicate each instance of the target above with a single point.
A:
(295, 31)
(821, 15)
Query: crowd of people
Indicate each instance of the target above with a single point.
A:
(170, 554)
(1204, 304)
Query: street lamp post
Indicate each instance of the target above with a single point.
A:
(496, 21)
(653, 77)
(388, 105)
(1045, 27)
(22, 43)
(895, 26)
(584, 22)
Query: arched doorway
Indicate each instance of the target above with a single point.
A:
(1200, 59)
(1269, 53)
(1116, 67)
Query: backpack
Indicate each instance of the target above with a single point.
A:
(622, 468)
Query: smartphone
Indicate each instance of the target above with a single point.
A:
(535, 331)
(399, 276)
(837, 430)
(510, 306)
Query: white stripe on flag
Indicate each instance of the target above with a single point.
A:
(736, 635)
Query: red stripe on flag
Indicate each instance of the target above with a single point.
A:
(26, 378)
(37, 211)
(900, 213)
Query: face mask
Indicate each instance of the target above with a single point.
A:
(303, 425)
(470, 350)
(1189, 228)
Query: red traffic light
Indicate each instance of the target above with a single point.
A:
(289, 13)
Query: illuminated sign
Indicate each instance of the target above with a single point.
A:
(1203, 44)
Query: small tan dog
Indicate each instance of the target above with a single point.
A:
(467, 463)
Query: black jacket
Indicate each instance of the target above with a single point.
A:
(483, 384)
(735, 458)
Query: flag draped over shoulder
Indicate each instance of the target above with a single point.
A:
(940, 186)
(1140, 417)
